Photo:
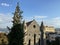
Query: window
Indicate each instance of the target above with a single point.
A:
(34, 39)
(34, 26)
(29, 42)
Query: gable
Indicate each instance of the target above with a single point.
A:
(33, 27)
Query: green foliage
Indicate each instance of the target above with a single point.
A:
(48, 42)
(16, 35)
(56, 42)
(17, 15)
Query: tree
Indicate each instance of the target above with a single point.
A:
(16, 35)
(17, 19)
(42, 33)
(57, 40)
(48, 42)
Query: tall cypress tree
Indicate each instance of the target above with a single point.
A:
(42, 33)
(16, 34)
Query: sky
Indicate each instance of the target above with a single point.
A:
(47, 11)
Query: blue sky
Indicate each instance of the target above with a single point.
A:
(46, 10)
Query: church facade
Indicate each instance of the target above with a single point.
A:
(33, 33)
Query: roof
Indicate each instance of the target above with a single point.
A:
(28, 23)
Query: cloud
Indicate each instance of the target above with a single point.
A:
(5, 20)
(56, 18)
(5, 4)
(40, 17)
(55, 22)
(0, 20)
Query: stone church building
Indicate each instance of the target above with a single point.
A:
(33, 33)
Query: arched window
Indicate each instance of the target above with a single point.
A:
(29, 42)
(34, 39)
